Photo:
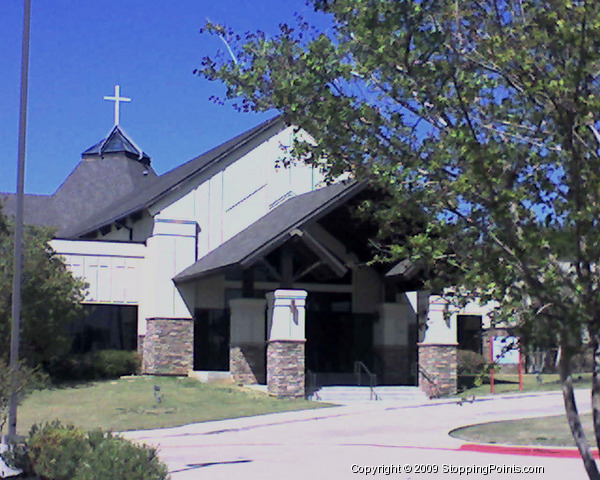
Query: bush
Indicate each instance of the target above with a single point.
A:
(471, 369)
(64, 452)
(98, 365)
(471, 363)
(115, 363)
(54, 451)
(116, 457)
(71, 368)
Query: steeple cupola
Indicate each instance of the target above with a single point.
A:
(117, 143)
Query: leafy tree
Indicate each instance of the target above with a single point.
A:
(483, 114)
(51, 297)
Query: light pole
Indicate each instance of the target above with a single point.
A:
(18, 258)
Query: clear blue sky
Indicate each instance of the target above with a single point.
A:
(81, 49)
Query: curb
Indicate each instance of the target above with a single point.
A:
(527, 451)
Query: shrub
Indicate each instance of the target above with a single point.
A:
(54, 451)
(64, 452)
(116, 457)
(71, 368)
(115, 363)
(98, 365)
(471, 363)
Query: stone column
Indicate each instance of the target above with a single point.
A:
(437, 352)
(247, 340)
(140, 345)
(168, 346)
(286, 346)
(390, 341)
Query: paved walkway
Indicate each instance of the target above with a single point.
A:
(344, 442)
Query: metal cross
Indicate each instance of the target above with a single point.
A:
(117, 99)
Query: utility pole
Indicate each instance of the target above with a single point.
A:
(15, 338)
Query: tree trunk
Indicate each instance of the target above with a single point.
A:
(596, 388)
(573, 415)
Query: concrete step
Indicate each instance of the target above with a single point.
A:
(406, 395)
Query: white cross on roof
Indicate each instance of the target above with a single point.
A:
(117, 99)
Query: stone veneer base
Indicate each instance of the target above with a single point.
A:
(440, 363)
(168, 346)
(247, 363)
(140, 345)
(286, 368)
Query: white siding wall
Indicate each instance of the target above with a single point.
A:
(243, 192)
(442, 328)
(219, 208)
(171, 248)
(112, 270)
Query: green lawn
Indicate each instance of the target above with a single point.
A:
(547, 431)
(129, 404)
(510, 384)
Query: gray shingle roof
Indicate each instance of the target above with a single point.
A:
(94, 184)
(37, 209)
(272, 230)
(90, 187)
(172, 180)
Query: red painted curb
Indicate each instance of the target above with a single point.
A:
(526, 451)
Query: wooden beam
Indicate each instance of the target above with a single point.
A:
(324, 254)
(248, 283)
(272, 270)
(286, 266)
(307, 270)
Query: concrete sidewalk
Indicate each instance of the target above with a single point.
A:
(347, 442)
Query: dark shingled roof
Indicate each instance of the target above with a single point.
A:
(96, 183)
(91, 186)
(173, 180)
(37, 209)
(272, 230)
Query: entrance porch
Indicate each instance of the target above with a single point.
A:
(316, 333)
(293, 296)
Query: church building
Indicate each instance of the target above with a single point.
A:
(231, 266)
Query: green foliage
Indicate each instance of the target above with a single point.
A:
(54, 451)
(484, 115)
(471, 363)
(115, 363)
(116, 457)
(472, 367)
(98, 365)
(51, 297)
(26, 380)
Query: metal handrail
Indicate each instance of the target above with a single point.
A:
(429, 377)
(358, 367)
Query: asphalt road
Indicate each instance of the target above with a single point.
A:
(374, 440)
